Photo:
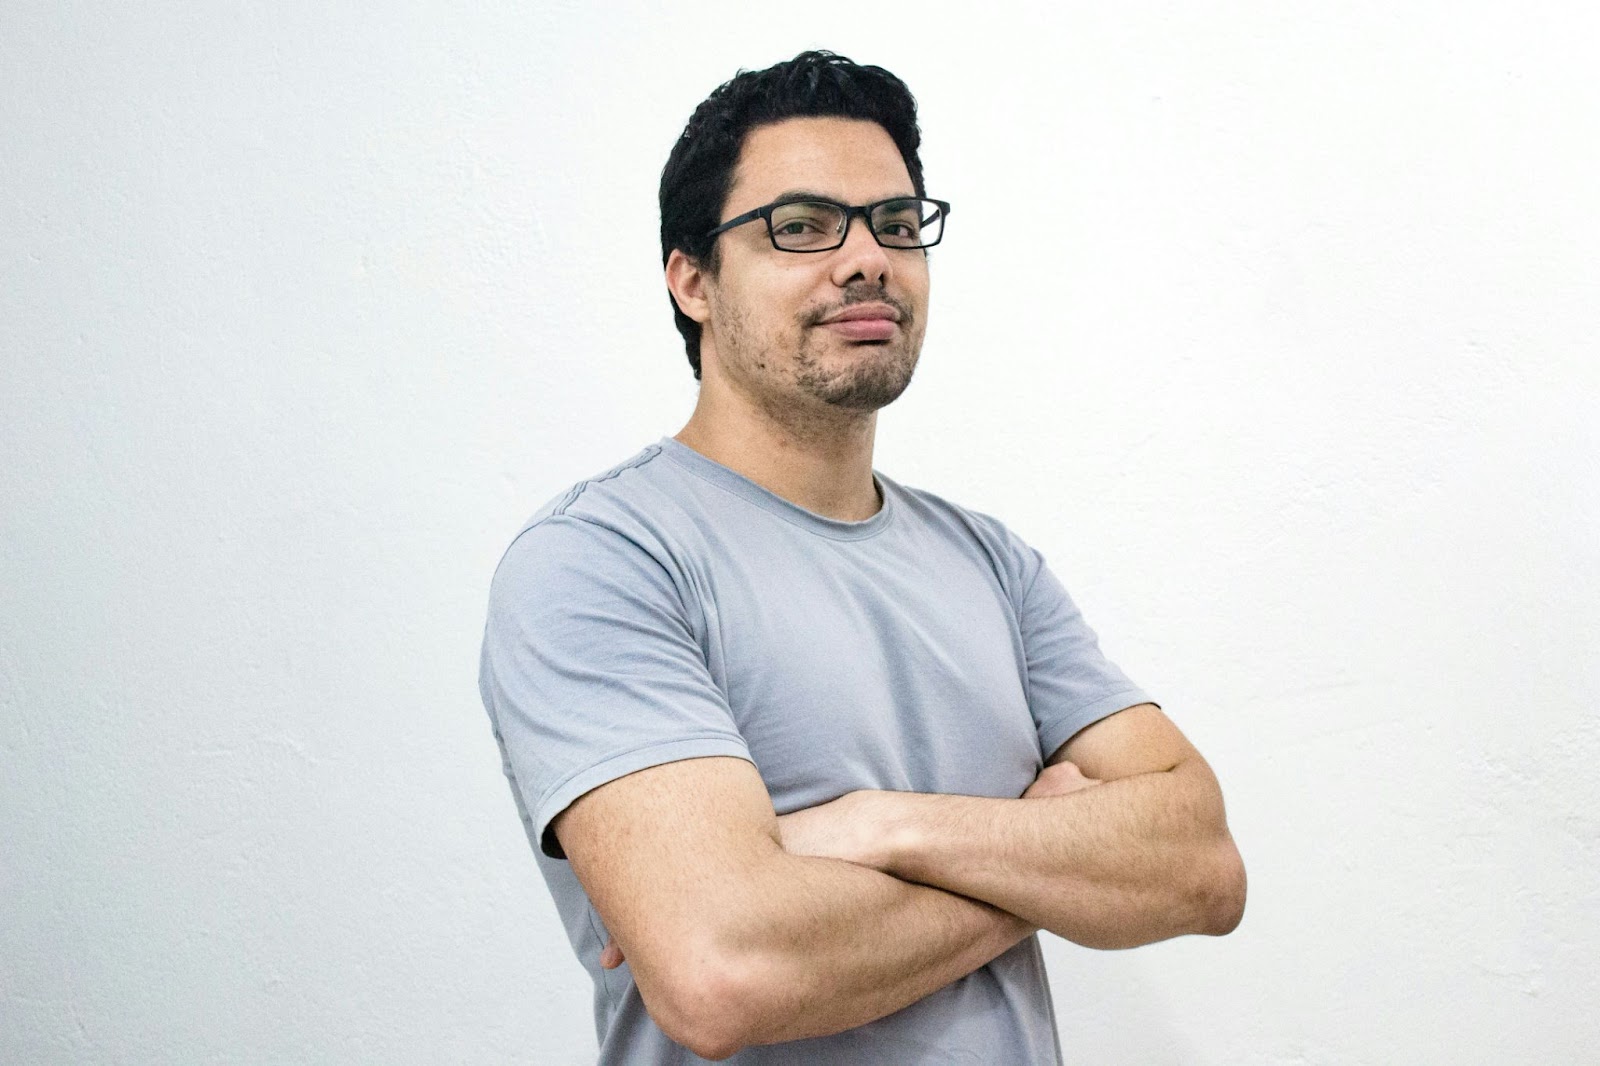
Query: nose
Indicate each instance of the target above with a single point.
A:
(861, 257)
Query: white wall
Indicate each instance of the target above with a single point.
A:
(303, 309)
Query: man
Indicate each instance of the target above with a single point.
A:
(808, 757)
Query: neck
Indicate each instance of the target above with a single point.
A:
(819, 460)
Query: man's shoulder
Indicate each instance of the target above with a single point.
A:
(645, 505)
(643, 493)
(612, 527)
(592, 497)
(1011, 557)
(931, 507)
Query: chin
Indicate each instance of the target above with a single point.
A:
(867, 388)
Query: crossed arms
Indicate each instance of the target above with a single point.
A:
(745, 928)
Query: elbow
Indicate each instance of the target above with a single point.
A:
(704, 1042)
(711, 1046)
(1222, 894)
(708, 1008)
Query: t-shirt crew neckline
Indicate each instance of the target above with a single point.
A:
(741, 486)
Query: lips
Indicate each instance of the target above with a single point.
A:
(864, 322)
(857, 312)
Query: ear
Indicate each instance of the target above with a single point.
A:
(686, 281)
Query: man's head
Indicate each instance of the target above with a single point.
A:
(704, 165)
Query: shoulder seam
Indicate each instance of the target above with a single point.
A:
(573, 493)
(610, 531)
(592, 524)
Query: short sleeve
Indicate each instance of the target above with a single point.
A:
(1071, 684)
(591, 669)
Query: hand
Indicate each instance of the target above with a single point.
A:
(611, 955)
(1059, 780)
(845, 828)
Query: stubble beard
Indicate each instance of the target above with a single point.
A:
(871, 375)
(874, 378)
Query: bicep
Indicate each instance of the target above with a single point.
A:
(1136, 740)
(592, 669)
(662, 850)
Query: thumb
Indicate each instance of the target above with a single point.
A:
(611, 956)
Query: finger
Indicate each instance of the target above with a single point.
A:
(611, 956)
(1059, 780)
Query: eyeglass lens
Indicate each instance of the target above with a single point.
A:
(810, 226)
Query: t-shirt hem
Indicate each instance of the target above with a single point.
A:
(620, 764)
(1058, 732)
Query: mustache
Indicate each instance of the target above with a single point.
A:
(858, 294)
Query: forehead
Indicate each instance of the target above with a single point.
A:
(844, 159)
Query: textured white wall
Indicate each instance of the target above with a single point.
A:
(304, 307)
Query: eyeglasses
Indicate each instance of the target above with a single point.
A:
(823, 225)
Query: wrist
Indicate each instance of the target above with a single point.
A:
(897, 834)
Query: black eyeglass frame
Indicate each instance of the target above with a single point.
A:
(764, 212)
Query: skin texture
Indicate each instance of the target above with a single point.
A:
(740, 927)
(1138, 852)
(734, 941)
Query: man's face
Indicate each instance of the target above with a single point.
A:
(786, 329)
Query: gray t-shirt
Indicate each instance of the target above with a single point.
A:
(672, 609)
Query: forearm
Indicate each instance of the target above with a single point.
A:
(1129, 862)
(829, 945)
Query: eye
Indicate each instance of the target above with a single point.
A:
(806, 224)
(804, 217)
(795, 227)
(899, 222)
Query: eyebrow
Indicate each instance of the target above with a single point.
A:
(801, 194)
(793, 195)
